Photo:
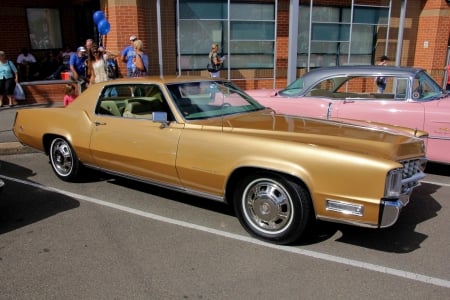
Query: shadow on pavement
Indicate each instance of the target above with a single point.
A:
(174, 196)
(22, 204)
(437, 169)
(400, 238)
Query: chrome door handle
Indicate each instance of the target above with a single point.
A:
(99, 123)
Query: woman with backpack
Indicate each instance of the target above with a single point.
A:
(215, 62)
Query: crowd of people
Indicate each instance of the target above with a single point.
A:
(88, 64)
(92, 63)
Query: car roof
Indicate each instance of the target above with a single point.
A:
(361, 70)
(162, 79)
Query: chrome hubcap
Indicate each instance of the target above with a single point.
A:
(267, 206)
(61, 157)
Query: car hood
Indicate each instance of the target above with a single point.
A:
(366, 138)
(384, 127)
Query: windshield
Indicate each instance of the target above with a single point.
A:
(209, 99)
(293, 89)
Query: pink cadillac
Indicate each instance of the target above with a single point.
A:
(401, 96)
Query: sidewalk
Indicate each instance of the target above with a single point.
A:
(8, 141)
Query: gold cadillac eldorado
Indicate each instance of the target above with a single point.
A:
(207, 137)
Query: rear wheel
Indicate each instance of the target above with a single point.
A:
(272, 207)
(64, 160)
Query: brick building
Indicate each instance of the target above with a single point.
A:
(265, 41)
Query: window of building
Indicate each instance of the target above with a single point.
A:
(244, 31)
(349, 34)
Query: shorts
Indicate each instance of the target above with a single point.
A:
(7, 86)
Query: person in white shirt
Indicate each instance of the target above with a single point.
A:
(27, 65)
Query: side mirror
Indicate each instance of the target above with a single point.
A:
(160, 117)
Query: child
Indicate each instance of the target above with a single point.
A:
(69, 94)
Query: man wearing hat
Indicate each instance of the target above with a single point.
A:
(128, 55)
(78, 64)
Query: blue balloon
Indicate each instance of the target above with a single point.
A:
(98, 16)
(103, 27)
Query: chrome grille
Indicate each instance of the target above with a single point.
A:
(412, 173)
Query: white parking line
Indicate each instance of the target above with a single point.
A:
(323, 256)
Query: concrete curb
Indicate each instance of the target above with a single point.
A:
(9, 148)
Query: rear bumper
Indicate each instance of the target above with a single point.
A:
(390, 210)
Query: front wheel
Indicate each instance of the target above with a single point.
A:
(64, 160)
(272, 207)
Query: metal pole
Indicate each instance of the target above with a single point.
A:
(275, 53)
(401, 29)
(388, 28)
(160, 58)
(178, 38)
(292, 44)
(350, 35)
(229, 57)
(311, 4)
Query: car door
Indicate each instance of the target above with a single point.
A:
(137, 147)
(401, 113)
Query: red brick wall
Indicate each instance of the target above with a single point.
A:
(45, 92)
(426, 20)
(139, 18)
(433, 29)
(14, 24)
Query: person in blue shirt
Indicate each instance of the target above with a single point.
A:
(128, 55)
(141, 61)
(78, 65)
(8, 79)
(381, 80)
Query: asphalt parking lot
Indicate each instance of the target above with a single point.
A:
(111, 238)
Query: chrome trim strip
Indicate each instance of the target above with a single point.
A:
(348, 222)
(345, 208)
(415, 177)
(329, 110)
(439, 138)
(176, 188)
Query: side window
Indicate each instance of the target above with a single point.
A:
(113, 100)
(324, 88)
(417, 89)
(137, 101)
(401, 88)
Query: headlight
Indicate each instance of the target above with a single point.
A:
(393, 184)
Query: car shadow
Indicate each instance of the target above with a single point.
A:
(171, 195)
(437, 169)
(22, 204)
(402, 237)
